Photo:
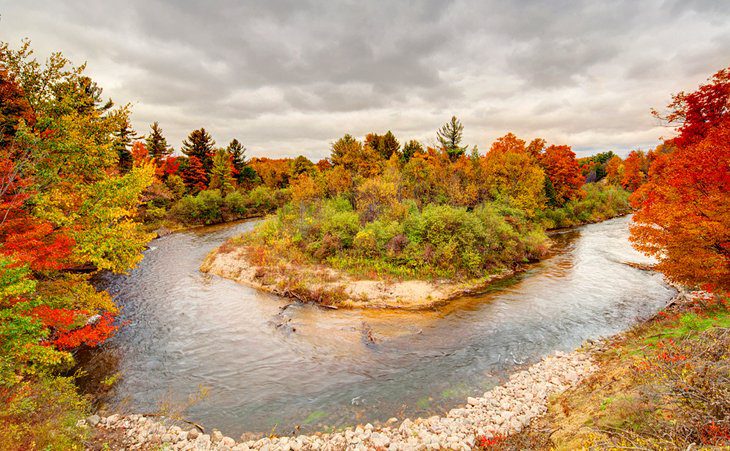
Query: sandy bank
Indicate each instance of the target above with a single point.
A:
(329, 287)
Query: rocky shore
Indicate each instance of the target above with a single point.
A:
(502, 411)
(333, 288)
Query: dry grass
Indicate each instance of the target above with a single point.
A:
(663, 385)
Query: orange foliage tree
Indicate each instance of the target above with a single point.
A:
(564, 172)
(683, 211)
(634, 170)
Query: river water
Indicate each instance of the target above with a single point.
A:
(265, 367)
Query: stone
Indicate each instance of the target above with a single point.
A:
(216, 436)
(111, 419)
(193, 434)
(93, 420)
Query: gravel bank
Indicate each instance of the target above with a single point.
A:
(504, 410)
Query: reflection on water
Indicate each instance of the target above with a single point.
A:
(267, 364)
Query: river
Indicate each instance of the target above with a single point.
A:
(265, 367)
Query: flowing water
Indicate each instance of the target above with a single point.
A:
(265, 366)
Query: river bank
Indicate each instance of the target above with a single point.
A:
(565, 401)
(504, 410)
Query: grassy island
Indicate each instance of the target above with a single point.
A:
(415, 232)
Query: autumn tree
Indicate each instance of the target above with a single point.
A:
(301, 165)
(683, 211)
(562, 169)
(67, 212)
(194, 175)
(200, 144)
(14, 109)
(221, 175)
(411, 148)
(614, 170)
(449, 135)
(512, 176)
(386, 145)
(156, 142)
(634, 170)
(694, 114)
(355, 157)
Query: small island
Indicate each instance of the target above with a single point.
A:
(412, 228)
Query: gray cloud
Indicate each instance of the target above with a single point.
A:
(289, 77)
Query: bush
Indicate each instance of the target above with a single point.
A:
(600, 202)
(235, 204)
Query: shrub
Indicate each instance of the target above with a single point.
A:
(235, 204)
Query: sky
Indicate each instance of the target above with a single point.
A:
(288, 78)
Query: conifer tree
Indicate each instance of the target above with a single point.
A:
(450, 138)
(200, 145)
(156, 142)
(238, 156)
(123, 138)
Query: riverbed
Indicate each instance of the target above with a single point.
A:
(267, 364)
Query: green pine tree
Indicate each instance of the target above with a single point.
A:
(200, 145)
(450, 138)
(156, 142)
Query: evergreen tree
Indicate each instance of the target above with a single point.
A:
(199, 144)
(123, 138)
(450, 138)
(156, 142)
(238, 156)
(221, 175)
(411, 148)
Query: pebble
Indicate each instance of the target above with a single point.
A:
(504, 410)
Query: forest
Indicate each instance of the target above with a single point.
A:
(82, 193)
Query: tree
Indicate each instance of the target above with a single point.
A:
(221, 176)
(449, 135)
(698, 112)
(634, 170)
(386, 145)
(614, 170)
(66, 210)
(411, 148)
(301, 165)
(563, 170)
(156, 142)
(683, 212)
(508, 143)
(512, 176)
(356, 158)
(14, 109)
(124, 136)
(200, 145)
(194, 175)
(238, 156)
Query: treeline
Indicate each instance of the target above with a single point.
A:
(379, 208)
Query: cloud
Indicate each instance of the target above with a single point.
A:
(290, 77)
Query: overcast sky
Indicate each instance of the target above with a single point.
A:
(289, 77)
